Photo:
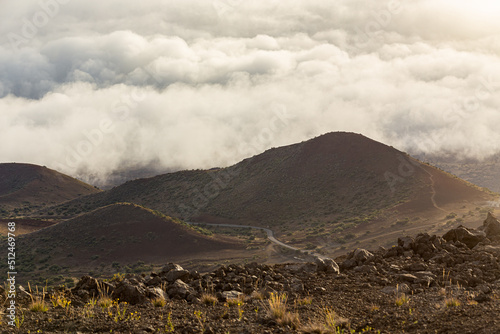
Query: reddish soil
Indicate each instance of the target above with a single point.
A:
(122, 233)
(32, 186)
(26, 225)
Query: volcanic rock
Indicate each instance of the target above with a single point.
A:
(462, 234)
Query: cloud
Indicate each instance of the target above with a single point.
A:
(103, 86)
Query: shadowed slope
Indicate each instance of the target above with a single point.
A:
(26, 187)
(123, 233)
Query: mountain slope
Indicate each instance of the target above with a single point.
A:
(123, 233)
(26, 187)
(334, 177)
(485, 173)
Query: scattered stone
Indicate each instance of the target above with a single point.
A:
(231, 295)
(407, 278)
(327, 265)
(416, 266)
(361, 255)
(179, 290)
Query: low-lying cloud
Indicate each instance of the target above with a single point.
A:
(106, 86)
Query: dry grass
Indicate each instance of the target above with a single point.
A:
(451, 302)
(235, 301)
(208, 299)
(314, 328)
(104, 300)
(333, 321)
(278, 311)
(290, 319)
(305, 301)
(37, 302)
(159, 302)
(277, 305)
(38, 306)
(330, 324)
(402, 299)
(257, 295)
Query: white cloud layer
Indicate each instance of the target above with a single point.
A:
(89, 87)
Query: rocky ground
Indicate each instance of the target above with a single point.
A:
(426, 284)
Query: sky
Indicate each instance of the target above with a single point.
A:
(92, 87)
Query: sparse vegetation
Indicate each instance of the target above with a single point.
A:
(208, 299)
(278, 311)
(37, 301)
(159, 302)
(402, 299)
(451, 302)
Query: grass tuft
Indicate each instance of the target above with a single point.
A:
(278, 311)
(451, 302)
(159, 302)
(402, 299)
(208, 299)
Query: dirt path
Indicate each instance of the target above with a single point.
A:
(270, 236)
(433, 190)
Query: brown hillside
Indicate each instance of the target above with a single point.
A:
(121, 233)
(485, 172)
(26, 187)
(335, 177)
(25, 225)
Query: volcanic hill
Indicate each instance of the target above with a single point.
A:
(119, 234)
(332, 178)
(25, 188)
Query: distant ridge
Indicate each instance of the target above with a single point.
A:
(26, 188)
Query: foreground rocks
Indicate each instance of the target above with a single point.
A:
(424, 284)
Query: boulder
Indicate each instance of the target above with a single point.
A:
(155, 293)
(179, 289)
(127, 292)
(296, 285)
(153, 281)
(491, 226)
(348, 264)
(394, 251)
(361, 255)
(327, 265)
(176, 274)
(491, 249)
(406, 243)
(89, 284)
(464, 235)
(172, 272)
(170, 266)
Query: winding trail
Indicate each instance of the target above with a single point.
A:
(270, 236)
(433, 190)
